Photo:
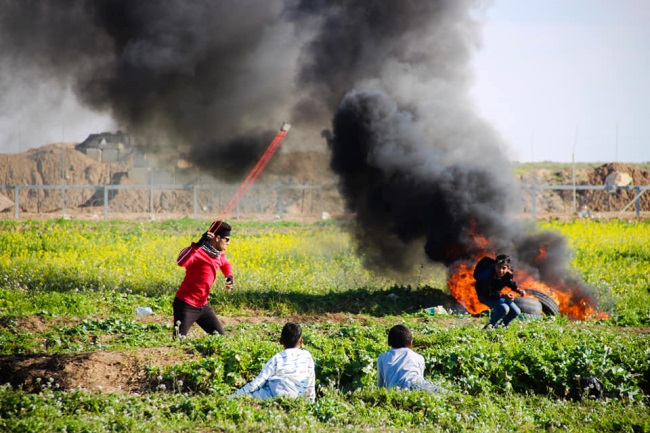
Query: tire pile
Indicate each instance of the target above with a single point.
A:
(541, 304)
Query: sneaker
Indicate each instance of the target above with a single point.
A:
(488, 326)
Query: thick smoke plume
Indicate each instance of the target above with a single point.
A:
(417, 166)
(209, 80)
(204, 78)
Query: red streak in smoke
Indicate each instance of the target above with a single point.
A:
(253, 175)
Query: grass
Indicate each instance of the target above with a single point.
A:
(85, 279)
(520, 168)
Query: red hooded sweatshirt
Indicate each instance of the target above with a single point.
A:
(200, 273)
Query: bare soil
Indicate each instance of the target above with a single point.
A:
(605, 203)
(125, 371)
(101, 371)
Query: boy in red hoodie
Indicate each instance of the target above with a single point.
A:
(201, 261)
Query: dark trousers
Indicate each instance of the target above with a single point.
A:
(185, 315)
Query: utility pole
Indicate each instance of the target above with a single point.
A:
(573, 168)
(63, 183)
(532, 146)
(616, 148)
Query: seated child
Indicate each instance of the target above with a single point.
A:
(401, 367)
(289, 373)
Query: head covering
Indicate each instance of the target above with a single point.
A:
(503, 258)
(221, 228)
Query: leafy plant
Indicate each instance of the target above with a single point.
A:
(72, 286)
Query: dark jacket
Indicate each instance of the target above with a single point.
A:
(488, 285)
(491, 287)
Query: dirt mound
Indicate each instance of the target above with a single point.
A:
(54, 164)
(294, 184)
(100, 371)
(61, 164)
(300, 168)
(618, 181)
(125, 372)
(616, 197)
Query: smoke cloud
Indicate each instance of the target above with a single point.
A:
(419, 169)
(384, 81)
(208, 78)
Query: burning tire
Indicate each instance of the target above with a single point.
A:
(529, 306)
(549, 306)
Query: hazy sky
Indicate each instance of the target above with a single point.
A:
(562, 76)
(554, 77)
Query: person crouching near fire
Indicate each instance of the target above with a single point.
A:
(201, 261)
(401, 367)
(492, 275)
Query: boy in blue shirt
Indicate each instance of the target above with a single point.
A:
(401, 367)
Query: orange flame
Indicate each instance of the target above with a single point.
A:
(480, 241)
(461, 285)
(571, 300)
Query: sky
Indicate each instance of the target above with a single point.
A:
(565, 80)
(560, 80)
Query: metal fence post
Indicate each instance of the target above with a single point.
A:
(151, 193)
(637, 190)
(16, 201)
(63, 201)
(281, 202)
(63, 184)
(196, 202)
(105, 202)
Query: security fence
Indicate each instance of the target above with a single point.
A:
(280, 200)
(177, 200)
(586, 199)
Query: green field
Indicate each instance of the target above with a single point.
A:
(69, 290)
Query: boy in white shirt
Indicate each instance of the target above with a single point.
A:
(289, 373)
(401, 367)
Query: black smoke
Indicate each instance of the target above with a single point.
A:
(417, 166)
(381, 43)
(199, 78)
(403, 189)
(406, 195)
(388, 81)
